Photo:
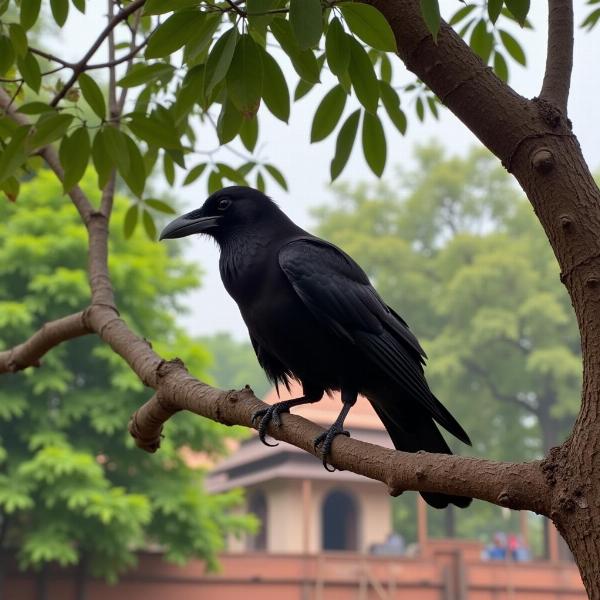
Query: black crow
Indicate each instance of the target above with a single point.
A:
(313, 315)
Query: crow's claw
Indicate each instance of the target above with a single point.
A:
(326, 439)
(266, 416)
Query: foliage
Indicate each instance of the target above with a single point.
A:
(72, 484)
(218, 65)
(459, 254)
(233, 364)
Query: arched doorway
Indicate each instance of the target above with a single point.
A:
(257, 505)
(339, 521)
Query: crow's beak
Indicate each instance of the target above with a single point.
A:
(188, 224)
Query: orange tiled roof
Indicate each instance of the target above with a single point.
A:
(324, 412)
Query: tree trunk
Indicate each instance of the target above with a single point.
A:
(81, 579)
(41, 582)
(534, 141)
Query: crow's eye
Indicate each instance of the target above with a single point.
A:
(224, 204)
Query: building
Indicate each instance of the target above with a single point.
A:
(302, 507)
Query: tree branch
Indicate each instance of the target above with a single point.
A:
(517, 486)
(559, 56)
(51, 334)
(50, 155)
(81, 65)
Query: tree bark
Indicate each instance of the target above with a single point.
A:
(534, 141)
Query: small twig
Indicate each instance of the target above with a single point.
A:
(80, 66)
(53, 58)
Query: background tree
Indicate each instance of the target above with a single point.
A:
(206, 58)
(453, 247)
(71, 488)
(233, 364)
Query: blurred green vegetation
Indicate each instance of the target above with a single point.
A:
(456, 250)
(73, 487)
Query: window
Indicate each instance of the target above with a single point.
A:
(339, 521)
(257, 505)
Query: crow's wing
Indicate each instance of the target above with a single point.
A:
(338, 293)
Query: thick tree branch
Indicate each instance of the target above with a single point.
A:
(50, 155)
(51, 334)
(517, 486)
(559, 56)
(81, 65)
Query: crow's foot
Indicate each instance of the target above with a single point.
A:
(326, 439)
(271, 414)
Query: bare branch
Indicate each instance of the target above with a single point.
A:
(559, 56)
(81, 65)
(50, 155)
(51, 334)
(517, 486)
(112, 72)
(52, 58)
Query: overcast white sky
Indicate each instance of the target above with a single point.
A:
(306, 166)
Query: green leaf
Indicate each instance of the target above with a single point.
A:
(30, 11)
(303, 61)
(513, 47)
(92, 94)
(159, 205)
(306, 21)
(482, 41)
(48, 128)
(260, 182)
(190, 92)
(249, 133)
(385, 68)
(337, 48)
(500, 66)
(168, 169)
(229, 122)
(194, 173)
(130, 222)
(461, 13)
(420, 109)
(74, 155)
(277, 175)
(373, 143)
(275, 93)
(245, 76)
(135, 176)
(344, 143)
(152, 130)
(391, 103)
(494, 9)
(519, 9)
(31, 72)
(159, 7)
(7, 54)
(258, 15)
(219, 59)
(174, 33)
(11, 187)
(430, 9)
(362, 74)
(102, 159)
(115, 144)
(197, 47)
(60, 11)
(35, 108)
(141, 74)
(18, 37)
(369, 25)
(302, 89)
(328, 113)
(14, 153)
(149, 226)
(79, 5)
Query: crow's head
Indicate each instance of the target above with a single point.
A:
(229, 210)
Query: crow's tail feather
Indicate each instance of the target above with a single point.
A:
(412, 431)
